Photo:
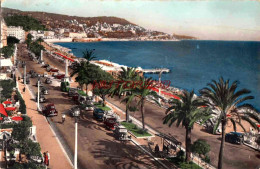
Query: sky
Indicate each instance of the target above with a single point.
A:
(208, 20)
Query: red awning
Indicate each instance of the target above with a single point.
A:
(7, 102)
(10, 108)
(258, 125)
(2, 110)
(64, 56)
(1, 118)
(17, 118)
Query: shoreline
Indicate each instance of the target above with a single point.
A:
(84, 40)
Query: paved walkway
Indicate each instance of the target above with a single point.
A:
(45, 136)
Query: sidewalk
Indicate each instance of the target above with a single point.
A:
(45, 136)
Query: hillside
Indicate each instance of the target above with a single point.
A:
(103, 26)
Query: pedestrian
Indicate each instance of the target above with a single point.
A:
(63, 118)
(48, 157)
(44, 158)
(20, 157)
(24, 89)
(156, 150)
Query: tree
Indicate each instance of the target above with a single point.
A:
(102, 85)
(142, 91)
(225, 98)
(89, 55)
(200, 147)
(20, 132)
(29, 40)
(186, 111)
(125, 79)
(39, 40)
(11, 40)
(8, 51)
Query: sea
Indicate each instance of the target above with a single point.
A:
(193, 63)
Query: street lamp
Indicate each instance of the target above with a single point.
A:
(38, 96)
(76, 115)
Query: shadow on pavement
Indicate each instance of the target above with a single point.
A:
(123, 155)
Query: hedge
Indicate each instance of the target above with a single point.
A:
(22, 107)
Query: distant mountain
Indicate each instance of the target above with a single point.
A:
(183, 37)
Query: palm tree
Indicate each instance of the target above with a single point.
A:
(227, 100)
(40, 40)
(89, 55)
(125, 79)
(84, 69)
(143, 92)
(186, 111)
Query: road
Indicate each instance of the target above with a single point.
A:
(97, 147)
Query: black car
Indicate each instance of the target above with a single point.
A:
(48, 81)
(42, 98)
(234, 137)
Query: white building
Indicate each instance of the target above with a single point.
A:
(75, 35)
(17, 32)
(37, 34)
(49, 34)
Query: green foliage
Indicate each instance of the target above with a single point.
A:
(189, 165)
(200, 147)
(138, 132)
(22, 107)
(28, 165)
(20, 132)
(8, 51)
(11, 40)
(181, 156)
(36, 48)
(7, 86)
(28, 23)
(100, 106)
(82, 93)
(64, 86)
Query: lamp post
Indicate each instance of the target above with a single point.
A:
(38, 95)
(76, 115)
(1, 93)
(24, 79)
(160, 75)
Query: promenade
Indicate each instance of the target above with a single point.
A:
(45, 136)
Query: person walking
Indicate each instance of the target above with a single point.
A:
(156, 150)
(24, 89)
(63, 118)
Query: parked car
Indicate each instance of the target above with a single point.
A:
(42, 98)
(234, 137)
(121, 133)
(44, 91)
(110, 123)
(45, 65)
(72, 111)
(60, 76)
(98, 114)
(87, 107)
(49, 110)
(53, 70)
(34, 74)
(48, 81)
(41, 85)
(45, 74)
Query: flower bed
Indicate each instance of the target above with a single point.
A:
(138, 132)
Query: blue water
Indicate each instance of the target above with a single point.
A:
(193, 64)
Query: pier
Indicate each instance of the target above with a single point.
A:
(156, 70)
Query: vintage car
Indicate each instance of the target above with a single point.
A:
(72, 92)
(42, 98)
(41, 85)
(48, 81)
(54, 70)
(44, 91)
(234, 137)
(98, 114)
(60, 76)
(121, 133)
(49, 110)
(45, 65)
(111, 123)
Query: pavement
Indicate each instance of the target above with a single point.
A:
(97, 147)
(45, 136)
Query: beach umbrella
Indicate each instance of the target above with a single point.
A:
(17, 118)
(258, 125)
(2, 110)
(7, 102)
(1, 118)
(10, 108)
